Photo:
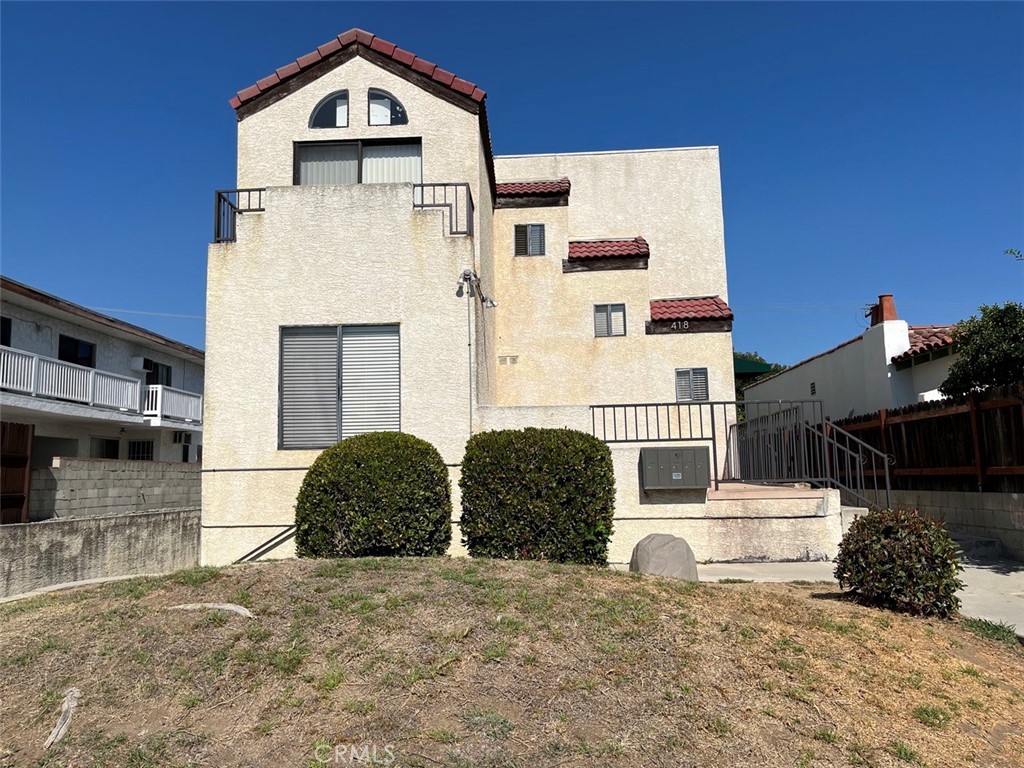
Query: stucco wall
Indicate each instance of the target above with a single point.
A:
(103, 487)
(673, 197)
(38, 555)
(325, 255)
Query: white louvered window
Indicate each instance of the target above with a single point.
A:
(337, 382)
(691, 384)
(370, 379)
(529, 240)
(355, 162)
(609, 320)
(332, 112)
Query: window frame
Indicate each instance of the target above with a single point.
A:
(155, 369)
(386, 94)
(338, 373)
(359, 144)
(323, 102)
(608, 315)
(543, 239)
(689, 371)
(92, 351)
(151, 451)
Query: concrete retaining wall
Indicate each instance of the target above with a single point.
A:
(38, 555)
(75, 487)
(986, 515)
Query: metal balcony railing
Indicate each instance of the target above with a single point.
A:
(228, 205)
(176, 404)
(456, 197)
(38, 376)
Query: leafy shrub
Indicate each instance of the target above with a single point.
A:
(900, 560)
(537, 494)
(382, 493)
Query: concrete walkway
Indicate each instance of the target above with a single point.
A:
(994, 588)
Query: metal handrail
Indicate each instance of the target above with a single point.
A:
(460, 190)
(846, 467)
(228, 205)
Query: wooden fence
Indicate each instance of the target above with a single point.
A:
(968, 444)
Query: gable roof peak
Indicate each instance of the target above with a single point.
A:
(361, 41)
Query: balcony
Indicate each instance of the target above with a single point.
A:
(38, 376)
(455, 200)
(169, 404)
(29, 374)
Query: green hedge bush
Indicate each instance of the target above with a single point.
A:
(382, 493)
(898, 559)
(537, 494)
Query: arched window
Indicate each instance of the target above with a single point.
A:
(385, 109)
(332, 112)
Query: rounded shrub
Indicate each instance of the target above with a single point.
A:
(537, 494)
(898, 559)
(382, 493)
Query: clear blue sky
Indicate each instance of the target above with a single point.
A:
(866, 148)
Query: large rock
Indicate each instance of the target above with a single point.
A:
(663, 555)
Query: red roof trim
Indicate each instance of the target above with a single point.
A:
(368, 40)
(603, 249)
(926, 338)
(532, 188)
(691, 308)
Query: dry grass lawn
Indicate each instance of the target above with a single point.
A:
(465, 663)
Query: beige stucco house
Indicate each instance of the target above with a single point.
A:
(379, 268)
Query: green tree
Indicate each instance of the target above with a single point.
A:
(990, 350)
(744, 381)
(1017, 253)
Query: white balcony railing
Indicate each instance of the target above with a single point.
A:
(169, 403)
(40, 376)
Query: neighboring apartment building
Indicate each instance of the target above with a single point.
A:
(890, 365)
(92, 386)
(380, 269)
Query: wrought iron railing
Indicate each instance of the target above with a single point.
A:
(228, 205)
(787, 441)
(456, 198)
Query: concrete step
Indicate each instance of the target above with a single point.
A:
(978, 547)
(846, 515)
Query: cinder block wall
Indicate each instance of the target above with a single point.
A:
(38, 555)
(986, 515)
(76, 487)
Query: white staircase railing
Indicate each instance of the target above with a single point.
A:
(40, 376)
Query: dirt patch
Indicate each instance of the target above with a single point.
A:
(478, 663)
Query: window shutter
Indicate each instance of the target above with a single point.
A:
(683, 384)
(328, 164)
(618, 319)
(522, 247)
(309, 387)
(601, 320)
(536, 232)
(392, 163)
(699, 383)
(370, 379)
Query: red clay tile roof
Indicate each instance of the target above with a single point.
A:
(926, 338)
(604, 249)
(696, 308)
(365, 39)
(529, 188)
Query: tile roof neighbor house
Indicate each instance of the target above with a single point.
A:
(368, 201)
(891, 364)
(75, 383)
